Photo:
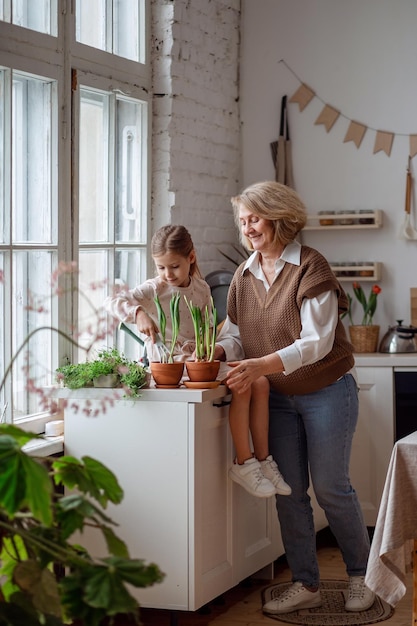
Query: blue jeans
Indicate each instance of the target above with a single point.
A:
(314, 432)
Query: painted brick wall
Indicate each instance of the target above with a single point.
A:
(196, 128)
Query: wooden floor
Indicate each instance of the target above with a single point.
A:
(241, 606)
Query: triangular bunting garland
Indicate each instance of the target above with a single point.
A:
(383, 142)
(302, 96)
(355, 133)
(328, 116)
(356, 130)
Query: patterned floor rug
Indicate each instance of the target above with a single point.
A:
(332, 612)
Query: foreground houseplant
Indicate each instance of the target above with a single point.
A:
(36, 525)
(364, 336)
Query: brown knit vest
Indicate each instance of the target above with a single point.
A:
(270, 320)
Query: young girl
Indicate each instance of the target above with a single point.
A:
(177, 272)
(249, 413)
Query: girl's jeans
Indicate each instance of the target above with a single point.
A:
(313, 434)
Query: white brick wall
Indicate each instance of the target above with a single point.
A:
(196, 128)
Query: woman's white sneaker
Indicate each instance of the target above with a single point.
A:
(296, 597)
(360, 597)
(271, 472)
(249, 476)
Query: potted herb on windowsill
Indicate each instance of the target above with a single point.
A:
(109, 369)
(204, 368)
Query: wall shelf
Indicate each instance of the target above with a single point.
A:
(333, 221)
(356, 272)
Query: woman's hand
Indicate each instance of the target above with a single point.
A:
(146, 325)
(244, 373)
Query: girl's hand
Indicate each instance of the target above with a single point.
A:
(146, 325)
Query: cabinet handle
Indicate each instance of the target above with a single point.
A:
(222, 403)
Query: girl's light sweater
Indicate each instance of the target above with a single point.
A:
(125, 304)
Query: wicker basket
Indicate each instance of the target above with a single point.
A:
(364, 338)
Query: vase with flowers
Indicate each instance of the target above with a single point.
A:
(364, 336)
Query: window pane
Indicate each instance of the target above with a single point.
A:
(92, 326)
(3, 236)
(130, 270)
(91, 23)
(32, 311)
(94, 166)
(115, 26)
(130, 222)
(32, 160)
(126, 23)
(39, 15)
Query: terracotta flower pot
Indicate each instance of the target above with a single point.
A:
(167, 374)
(202, 371)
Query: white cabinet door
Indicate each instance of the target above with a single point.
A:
(257, 536)
(374, 438)
(145, 444)
(210, 536)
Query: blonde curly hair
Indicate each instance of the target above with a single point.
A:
(275, 202)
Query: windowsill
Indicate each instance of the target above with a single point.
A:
(45, 446)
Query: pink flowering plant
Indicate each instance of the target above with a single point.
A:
(46, 577)
(368, 304)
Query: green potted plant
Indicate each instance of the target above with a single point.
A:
(46, 577)
(364, 336)
(110, 368)
(204, 368)
(167, 372)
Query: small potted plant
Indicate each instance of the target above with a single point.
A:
(204, 368)
(364, 336)
(167, 372)
(109, 369)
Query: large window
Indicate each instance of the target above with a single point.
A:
(74, 177)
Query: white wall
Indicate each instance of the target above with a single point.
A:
(360, 57)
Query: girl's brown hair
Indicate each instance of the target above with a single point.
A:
(275, 202)
(175, 238)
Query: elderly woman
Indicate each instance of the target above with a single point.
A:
(285, 303)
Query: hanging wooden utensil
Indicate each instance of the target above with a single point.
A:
(407, 231)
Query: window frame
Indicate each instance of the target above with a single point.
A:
(39, 54)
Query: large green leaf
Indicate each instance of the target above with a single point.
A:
(135, 571)
(13, 550)
(89, 476)
(41, 586)
(105, 589)
(23, 481)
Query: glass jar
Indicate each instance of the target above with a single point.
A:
(366, 268)
(346, 221)
(366, 220)
(327, 220)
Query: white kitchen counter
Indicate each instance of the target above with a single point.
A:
(381, 359)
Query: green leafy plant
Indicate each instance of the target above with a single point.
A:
(48, 579)
(205, 330)
(167, 355)
(368, 304)
(132, 375)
